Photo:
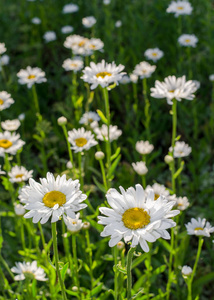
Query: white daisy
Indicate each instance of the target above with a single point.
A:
(19, 174)
(133, 78)
(173, 87)
(70, 8)
(88, 22)
(153, 54)
(136, 218)
(75, 64)
(49, 36)
(140, 167)
(67, 29)
(144, 147)
(106, 2)
(3, 49)
(118, 23)
(180, 8)
(197, 84)
(188, 40)
(81, 140)
(186, 271)
(77, 44)
(102, 132)
(53, 197)
(182, 203)
(181, 149)
(94, 45)
(19, 209)
(199, 227)
(211, 77)
(125, 79)
(89, 117)
(11, 125)
(102, 74)
(159, 190)
(4, 60)
(10, 143)
(27, 270)
(30, 76)
(21, 117)
(5, 100)
(36, 21)
(144, 69)
(73, 225)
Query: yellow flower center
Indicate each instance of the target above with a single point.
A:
(19, 175)
(81, 44)
(156, 196)
(73, 65)
(180, 7)
(80, 142)
(134, 218)
(5, 143)
(172, 91)
(154, 54)
(54, 197)
(92, 46)
(1, 102)
(74, 222)
(103, 74)
(199, 228)
(31, 77)
(187, 40)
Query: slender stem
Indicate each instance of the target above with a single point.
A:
(200, 244)
(90, 256)
(68, 144)
(146, 109)
(42, 236)
(115, 252)
(35, 98)
(80, 169)
(56, 256)
(174, 128)
(103, 174)
(22, 235)
(67, 247)
(74, 249)
(129, 273)
(168, 287)
(108, 146)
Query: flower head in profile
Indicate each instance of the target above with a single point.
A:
(199, 227)
(3, 49)
(144, 70)
(180, 8)
(67, 29)
(136, 217)
(172, 87)
(49, 36)
(182, 203)
(89, 117)
(19, 174)
(144, 147)
(52, 198)
(10, 143)
(181, 149)
(153, 54)
(140, 167)
(75, 64)
(73, 225)
(27, 270)
(81, 140)
(30, 76)
(11, 125)
(70, 8)
(102, 132)
(159, 190)
(5, 100)
(188, 40)
(88, 22)
(102, 74)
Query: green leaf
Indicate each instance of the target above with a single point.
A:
(64, 270)
(115, 155)
(97, 289)
(111, 87)
(165, 244)
(179, 170)
(72, 293)
(113, 166)
(102, 117)
(99, 185)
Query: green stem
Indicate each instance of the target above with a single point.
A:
(68, 145)
(174, 127)
(90, 256)
(80, 169)
(103, 174)
(108, 146)
(42, 236)
(56, 256)
(129, 273)
(200, 244)
(168, 287)
(115, 252)
(146, 109)
(74, 249)
(35, 98)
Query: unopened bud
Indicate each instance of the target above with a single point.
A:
(186, 271)
(62, 121)
(69, 165)
(168, 159)
(99, 155)
(120, 245)
(19, 209)
(86, 225)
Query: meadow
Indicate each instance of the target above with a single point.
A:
(106, 150)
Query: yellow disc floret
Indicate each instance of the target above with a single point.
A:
(156, 196)
(19, 175)
(135, 218)
(1, 102)
(5, 144)
(199, 228)
(80, 142)
(187, 40)
(54, 197)
(154, 54)
(31, 77)
(180, 7)
(103, 74)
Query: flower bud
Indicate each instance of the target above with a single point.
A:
(186, 271)
(69, 165)
(168, 159)
(62, 121)
(120, 245)
(86, 225)
(99, 155)
(19, 209)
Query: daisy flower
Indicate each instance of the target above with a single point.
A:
(133, 78)
(106, 2)
(76, 43)
(94, 45)
(19, 209)
(140, 167)
(73, 225)
(81, 140)
(153, 54)
(89, 117)
(144, 70)
(36, 21)
(102, 132)
(188, 40)
(11, 125)
(52, 197)
(199, 227)
(88, 22)
(102, 74)
(19, 174)
(10, 143)
(67, 29)
(49, 36)
(125, 79)
(27, 270)
(4, 60)
(211, 77)
(159, 190)
(118, 23)
(135, 217)
(181, 149)
(182, 203)
(3, 49)
(144, 147)
(70, 8)
(30, 76)
(174, 88)
(180, 8)
(75, 64)
(186, 271)
(5, 100)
